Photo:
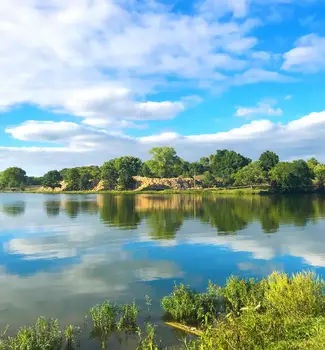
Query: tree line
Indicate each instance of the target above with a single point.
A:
(224, 168)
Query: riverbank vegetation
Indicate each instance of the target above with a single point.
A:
(276, 312)
(223, 169)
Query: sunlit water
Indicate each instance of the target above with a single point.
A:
(62, 254)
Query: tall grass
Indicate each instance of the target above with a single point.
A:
(276, 313)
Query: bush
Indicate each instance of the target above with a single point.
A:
(192, 308)
(278, 312)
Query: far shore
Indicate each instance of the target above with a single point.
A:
(255, 190)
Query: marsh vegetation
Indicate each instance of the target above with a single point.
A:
(277, 312)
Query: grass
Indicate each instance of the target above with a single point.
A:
(279, 312)
(276, 313)
(219, 190)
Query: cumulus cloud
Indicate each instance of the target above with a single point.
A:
(307, 56)
(302, 137)
(264, 108)
(100, 59)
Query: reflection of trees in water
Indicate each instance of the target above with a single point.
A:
(52, 208)
(14, 209)
(230, 214)
(165, 214)
(119, 211)
(225, 214)
(71, 206)
(165, 223)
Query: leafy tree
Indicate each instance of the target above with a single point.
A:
(319, 171)
(224, 163)
(291, 177)
(145, 170)
(72, 179)
(85, 182)
(13, 178)
(52, 179)
(268, 160)
(312, 163)
(251, 174)
(127, 167)
(196, 168)
(208, 180)
(109, 174)
(34, 181)
(164, 162)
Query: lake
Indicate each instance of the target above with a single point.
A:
(61, 254)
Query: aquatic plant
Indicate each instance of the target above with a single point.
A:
(71, 336)
(128, 321)
(192, 308)
(44, 335)
(278, 312)
(148, 340)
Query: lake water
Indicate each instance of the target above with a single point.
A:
(62, 254)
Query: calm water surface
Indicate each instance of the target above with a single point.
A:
(62, 254)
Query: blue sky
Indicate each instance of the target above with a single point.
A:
(84, 81)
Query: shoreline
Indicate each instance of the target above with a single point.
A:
(220, 191)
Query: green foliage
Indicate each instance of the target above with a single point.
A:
(148, 340)
(291, 177)
(118, 173)
(319, 171)
(104, 317)
(52, 179)
(192, 308)
(13, 178)
(128, 319)
(278, 312)
(109, 174)
(108, 318)
(44, 335)
(268, 160)
(251, 174)
(71, 334)
(126, 168)
(209, 180)
(224, 163)
(164, 162)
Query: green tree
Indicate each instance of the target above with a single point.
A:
(208, 180)
(126, 168)
(72, 178)
(319, 171)
(164, 162)
(251, 174)
(224, 163)
(145, 170)
(268, 160)
(13, 178)
(52, 179)
(109, 174)
(291, 177)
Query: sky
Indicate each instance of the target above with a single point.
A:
(84, 81)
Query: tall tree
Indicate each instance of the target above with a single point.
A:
(52, 179)
(268, 160)
(251, 174)
(109, 174)
(224, 163)
(291, 177)
(164, 162)
(13, 178)
(72, 179)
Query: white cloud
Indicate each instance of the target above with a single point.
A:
(264, 108)
(100, 59)
(303, 137)
(307, 56)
